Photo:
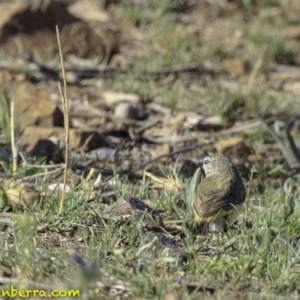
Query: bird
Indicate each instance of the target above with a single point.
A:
(220, 195)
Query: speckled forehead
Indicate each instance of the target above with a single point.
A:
(206, 159)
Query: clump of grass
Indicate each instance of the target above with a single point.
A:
(147, 14)
(273, 104)
(263, 257)
(262, 136)
(282, 50)
(240, 102)
(135, 14)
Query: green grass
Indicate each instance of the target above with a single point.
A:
(262, 261)
(5, 117)
(257, 259)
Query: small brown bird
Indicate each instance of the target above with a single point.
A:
(220, 195)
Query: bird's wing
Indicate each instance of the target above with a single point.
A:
(213, 197)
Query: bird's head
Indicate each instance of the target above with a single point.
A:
(216, 164)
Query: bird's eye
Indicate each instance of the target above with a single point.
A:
(206, 161)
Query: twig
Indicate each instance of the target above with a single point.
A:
(188, 137)
(248, 193)
(40, 174)
(174, 139)
(181, 150)
(147, 126)
(91, 72)
(12, 137)
(87, 72)
(177, 139)
(65, 102)
(37, 166)
(175, 69)
(248, 125)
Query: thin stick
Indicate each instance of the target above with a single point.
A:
(12, 137)
(40, 174)
(65, 102)
(27, 164)
(248, 193)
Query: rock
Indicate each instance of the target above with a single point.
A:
(159, 243)
(163, 149)
(212, 123)
(104, 153)
(236, 66)
(176, 122)
(292, 32)
(49, 150)
(113, 97)
(131, 207)
(192, 121)
(86, 140)
(159, 248)
(4, 155)
(34, 107)
(89, 11)
(292, 87)
(8, 9)
(30, 26)
(172, 296)
(126, 111)
(22, 195)
(5, 78)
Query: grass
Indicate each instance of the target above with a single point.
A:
(80, 249)
(5, 117)
(262, 260)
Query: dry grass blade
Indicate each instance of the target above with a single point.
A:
(171, 182)
(65, 102)
(12, 137)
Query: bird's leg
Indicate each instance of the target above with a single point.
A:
(221, 227)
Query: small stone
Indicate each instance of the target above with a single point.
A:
(172, 296)
(5, 78)
(163, 149)
(293, 32)
(212, 123)
(35, 107)
(113, 97)
(236, 66)
(127, 111)
(129, 207)
(49, 150)
(160, 242)
(157, 246)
